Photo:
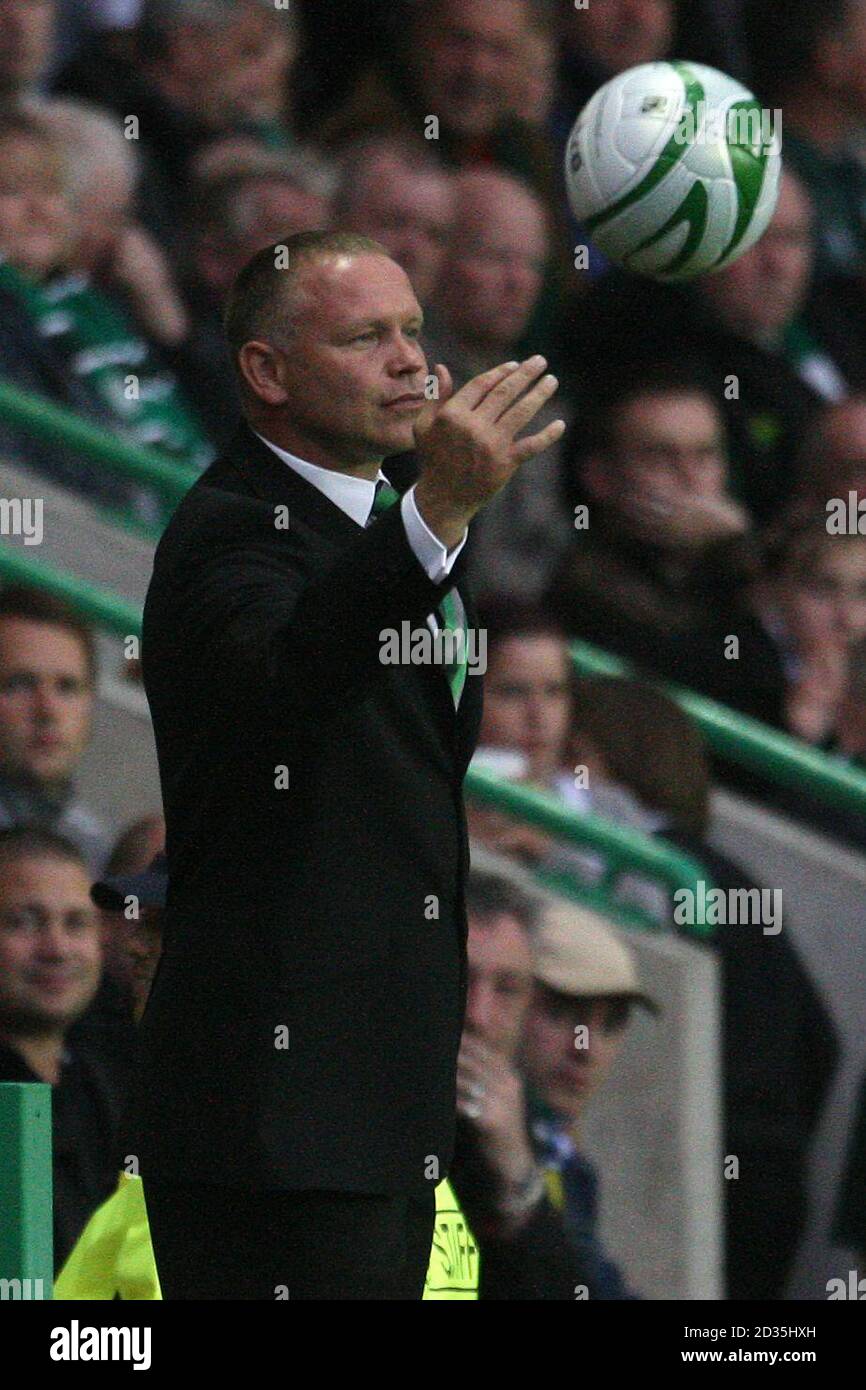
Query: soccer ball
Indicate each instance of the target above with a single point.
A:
(673, 169)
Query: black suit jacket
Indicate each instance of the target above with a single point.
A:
(305, 1019)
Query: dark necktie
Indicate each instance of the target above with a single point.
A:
(447, 613)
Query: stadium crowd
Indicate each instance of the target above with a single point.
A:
(147, 149)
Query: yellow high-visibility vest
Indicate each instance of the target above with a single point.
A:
(454, 1258)
(113, 1256)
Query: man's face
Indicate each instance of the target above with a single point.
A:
(50, 953)
(493, 275)
(665, 447)
(26, 40)
(464, 54)
(230, 72)
(277, 209)
(527, 701)
(410, 212)
(46, 700)
(569, 1046)
(271, 209)
(760, 293)
(34, 213)
(533, 83)
(499, 981)
(841, 464)
(355, 352)
(143, 946)
(619, 34)
(261, 56)
(828, 605)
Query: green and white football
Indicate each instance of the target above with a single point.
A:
(673, 169)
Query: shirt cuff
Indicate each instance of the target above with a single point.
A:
(429, 551)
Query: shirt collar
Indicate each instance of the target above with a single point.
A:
(354, 496)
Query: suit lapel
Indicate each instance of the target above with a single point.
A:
(260, 471)
(268, 478)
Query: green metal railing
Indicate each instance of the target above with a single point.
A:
(746, 741)
(107, 611)
(34, 415)
(624, 850)
(26, 1237)
(732, 735)
(40, 417)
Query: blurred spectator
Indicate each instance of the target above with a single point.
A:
(849, 1218)
(50, 964)
(114, 1256)
(833, 454)
(109, 247)
(834, 319)
(394, 190)
(108, 1022)
(741, 328)
(488, 290)
(596, 43)
(199, 68)
(850, 727)
(599, 41)
(135, 848)
(454, 78)
(533, 86)
(47, 692)
(27, 37)
(783, 655)
(616, 721)
(234, 215)
(665, 546)
(585, 988)
(524, 1250)
(810, 60)
(110, 14)
(84, 333)
(131, 899)
(33, 220)
(529, 695)
(779, 1048)
(79, 21)
(456, 63)
(762, 297)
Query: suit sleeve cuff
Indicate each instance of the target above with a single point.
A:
(431, 554)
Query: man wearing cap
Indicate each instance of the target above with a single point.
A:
(300, 1041)
(585, 987)
(526, 1251)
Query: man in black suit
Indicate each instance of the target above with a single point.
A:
(295, 1100)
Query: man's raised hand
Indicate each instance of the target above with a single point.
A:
(467, 441)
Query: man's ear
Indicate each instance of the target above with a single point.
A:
(262, 369)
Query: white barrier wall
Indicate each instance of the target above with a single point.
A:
(655, 1131)
(824, 889)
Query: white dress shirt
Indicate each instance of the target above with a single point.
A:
(354, 496)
